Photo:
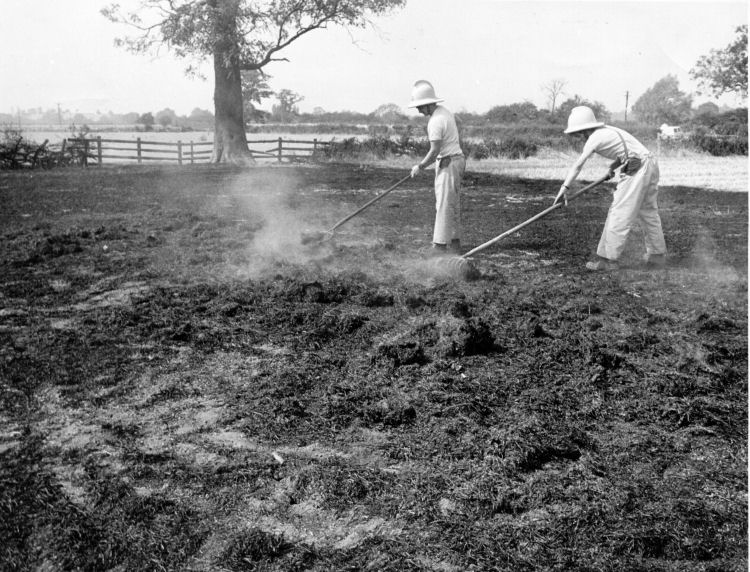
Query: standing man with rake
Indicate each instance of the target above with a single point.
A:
(634, 199)
(450, 164)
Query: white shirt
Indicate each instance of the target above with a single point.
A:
(442, 127)
(605, 142)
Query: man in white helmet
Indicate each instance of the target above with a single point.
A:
(450, 164)
(635, 198)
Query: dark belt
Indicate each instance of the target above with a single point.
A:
(443, 162)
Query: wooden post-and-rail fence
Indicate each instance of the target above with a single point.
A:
(96, 150)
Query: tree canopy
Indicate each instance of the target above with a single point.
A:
(146, 118)
(166, 117)
(257, 32)
(512, 113)
(255, 89)
(389, 112)
(563, 111)
(664, 103)
(286, 108)
(725, 70)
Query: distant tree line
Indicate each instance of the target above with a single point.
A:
(166, 119)
(664, 102)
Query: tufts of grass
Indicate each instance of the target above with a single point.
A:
(41, 526)
(339, 484)
(375, 553)
(251, 549)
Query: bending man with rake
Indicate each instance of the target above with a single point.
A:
(635, 198)
(450, 164)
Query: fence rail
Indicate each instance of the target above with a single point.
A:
(95, 150)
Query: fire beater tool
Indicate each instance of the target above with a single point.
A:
(320, 236)
(462, 267)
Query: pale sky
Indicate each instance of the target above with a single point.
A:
(477, 53)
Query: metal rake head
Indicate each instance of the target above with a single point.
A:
(315, 236)
(456, 266)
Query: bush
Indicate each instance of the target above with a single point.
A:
(17, 152)
(720, 134)
(384, 147)
(515, 148)
(718, 145)
(378, 147)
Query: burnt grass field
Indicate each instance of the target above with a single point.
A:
(185, 385)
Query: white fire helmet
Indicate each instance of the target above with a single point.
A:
(582, 117)
(423, 93)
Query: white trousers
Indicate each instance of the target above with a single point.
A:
(448, 201)
(635, 199)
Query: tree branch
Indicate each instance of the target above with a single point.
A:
(281, 44)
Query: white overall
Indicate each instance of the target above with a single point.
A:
(442, 127)
(448, 200)
(635, 199)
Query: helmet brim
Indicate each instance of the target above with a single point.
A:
(425, 101)
(583, 127)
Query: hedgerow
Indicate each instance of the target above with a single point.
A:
(18, 152)
(381, 147)
(720, 134)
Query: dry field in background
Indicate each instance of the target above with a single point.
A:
(686, 169)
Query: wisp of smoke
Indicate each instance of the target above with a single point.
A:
(704, 256)
(278, 241)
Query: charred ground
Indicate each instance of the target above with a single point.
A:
(187, 386)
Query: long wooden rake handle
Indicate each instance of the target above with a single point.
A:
(536, 217)
(367, 204)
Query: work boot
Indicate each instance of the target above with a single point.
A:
(655, 261)
(455, 246)
(602, 264)
(439, 249)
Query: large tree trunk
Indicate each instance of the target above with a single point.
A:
(230, 141)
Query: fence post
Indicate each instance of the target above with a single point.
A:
(85, 152)
(179, 152)
(280, 149)
(36, 153)
(99, 149)
(192, 153)
(138, 149)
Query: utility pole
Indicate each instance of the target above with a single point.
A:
(627, 95)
